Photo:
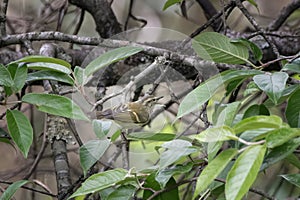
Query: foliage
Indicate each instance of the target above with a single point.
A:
(257, 137)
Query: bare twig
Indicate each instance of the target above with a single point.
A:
(125, 151)
(31, 189)
(130, 15)
(127, 88)
(40, 154)
(257, 26)
(78, 25)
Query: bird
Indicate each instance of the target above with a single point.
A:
(130, 114)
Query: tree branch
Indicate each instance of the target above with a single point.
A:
(283, 15)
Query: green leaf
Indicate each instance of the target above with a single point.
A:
(280, 152)
(175, 150)
(294, 160)
(213, 169)
(206, 90)
(19, 75)
(219, 48)
(280, 136)
(294, 66)
(272, 84)
(79, 75)
(100, 181)
(55, 105)
(91, 152)
(20, 130)
(110, 57)
(216, 134)
(150, 182)
(49, 67)
(5, 77)
(255, 110)
(292, 178)
(292, 111)
(124, 192)
(257, 53)
(45, 59)
(227, 115)
(11, 190)
(257, 122)
(170, 3)
(164, 175)
(101, 127)
(151, 136)
(251, 89)
(244, 171)
(50, 75)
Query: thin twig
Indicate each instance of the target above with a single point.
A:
(41, 152)
(257, 26)
(130, 15)
(208, 23)
(125, 151)
(31, 189)
(78, 25)
(127, 88)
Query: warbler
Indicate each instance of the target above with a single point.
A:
(131, 113)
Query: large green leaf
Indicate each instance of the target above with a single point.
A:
(280, 152)
(101, 127)
(175, 149)
(293, 66)
(219, 48)
(257, 122)
(213, 169)
(5, 77)
(206, 90)
(49, 67)
(50, 75)
(292, 178)
(293, 159)
(255, 110)
(55, 105)
(11, 190)
(292, 111)
(279, 136)
(124, 192)
(216, 134)
(79, 75)
(19, 75)
(164, 175)
(91, 152)
(244, 171)
(44, 59)
(227, 115)
(272, 84)
(100, 181)
(20, 130)
(110, 57)
(256, 51)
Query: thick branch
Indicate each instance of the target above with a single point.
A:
(106, 21)
(3, 9)
(283, 15)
